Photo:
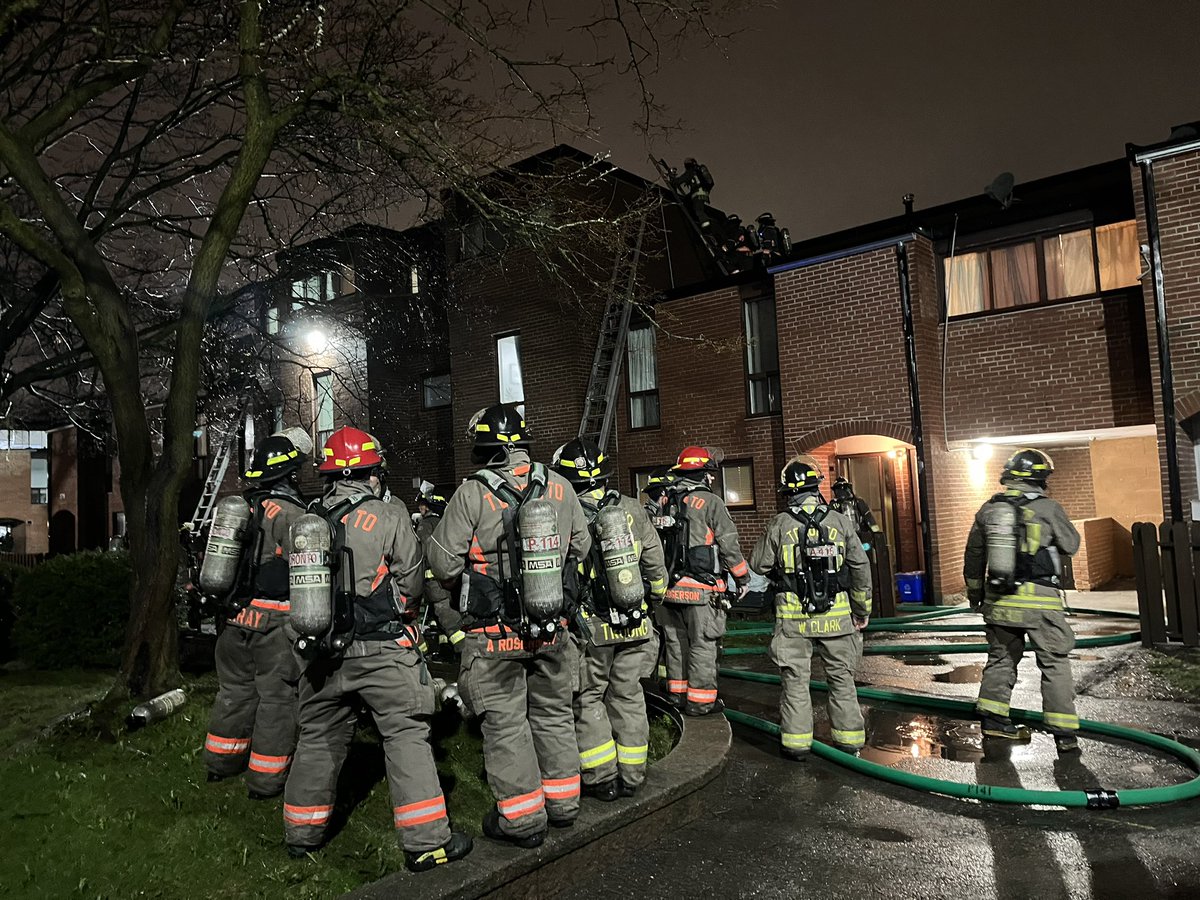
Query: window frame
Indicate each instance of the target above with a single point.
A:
(449, 390)
(1038, 239)
(496, 339)
(751, 378)
(741, 462)
(320, 436)
(39, 496)
(636, 472)
(631, 393)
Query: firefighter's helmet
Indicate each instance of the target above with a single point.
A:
(502, 425)
(431, 498)
(275, 458)
(842, 489)
(582, 463)
(659, 482)
(350, 450)
(694, 462)
(799, 475)
(1029, 465)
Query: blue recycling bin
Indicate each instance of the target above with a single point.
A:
(910, 586)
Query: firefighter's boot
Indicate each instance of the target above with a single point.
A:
(491, 828)
(456, 848)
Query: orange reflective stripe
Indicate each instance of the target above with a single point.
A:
(561, 788)
(477, 556)
(699, 695)
(522, 805)
(420, 813)
(740, 569)
(306, 815)
(380, 572)
(272, 765)
(522, 470)
(677, 687)
(709, 537)
(214, 743)
(277, 605)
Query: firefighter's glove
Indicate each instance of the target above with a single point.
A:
(860, 622)
(975, 599)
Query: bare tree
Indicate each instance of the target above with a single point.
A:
(154, 154)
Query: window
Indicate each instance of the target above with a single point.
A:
(435, 391)
(321, 287)
(414, 278)
(272, 320)
(478, 237)
(247, 442)
(508, 364)
(322, 407)
(639, 478)
(643, 378)
(1057, 266)
(737, 484)
(277, 417)
(39, 478)
(762, 356)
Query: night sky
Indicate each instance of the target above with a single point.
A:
(828, 113)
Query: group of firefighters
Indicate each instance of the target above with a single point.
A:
(554, 591)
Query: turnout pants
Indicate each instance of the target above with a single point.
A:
(691, 633)
(610, 711)
(1052, 641)
(840, 655)
(252, 726)
(388, 679)
(529, 747)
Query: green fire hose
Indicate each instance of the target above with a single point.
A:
(916, 622)
(1093, 799)
(1107, 640)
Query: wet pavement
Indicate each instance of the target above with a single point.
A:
(777, 829)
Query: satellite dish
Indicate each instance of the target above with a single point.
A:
(1001, 189)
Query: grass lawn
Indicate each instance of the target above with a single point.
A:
(83, 818)
(1181, 669)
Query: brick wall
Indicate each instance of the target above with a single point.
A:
(32, 535)
(1177, 188)
(702, 400)
(1095, 564)
(1072, 482)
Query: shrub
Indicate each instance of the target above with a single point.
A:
(71, 610)
(8, 582)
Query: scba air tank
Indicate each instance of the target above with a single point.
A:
(541, 560)
(310, 577)
(223, 553)
(1002, 546)
(619, 552)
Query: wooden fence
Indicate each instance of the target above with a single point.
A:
(1166, 558)
(24, 560)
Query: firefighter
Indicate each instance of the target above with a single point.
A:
(624, 569)
(431, 506)
(857, 511)
(1013, 571)
(510, 534)
(700, 544)
(811, 552)
(381, 668)
(252, 726)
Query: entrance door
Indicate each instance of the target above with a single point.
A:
(872, 482)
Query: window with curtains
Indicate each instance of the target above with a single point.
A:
(762, 356)
(737, 483)
(508, 368)
(642, 364)
(322, 407)
(1059, 266)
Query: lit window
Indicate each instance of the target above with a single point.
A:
(320, 287)
(1014, 275)
(1070, 266)
(967, 283)
(272, 320)
(322, 407)
(737, 484)
(643, 378)
(1117, 252)
(247, 442)
(508, 364)
(277, 416)
(762, 356)
(435, 391)
(414, 278)
(39, 478)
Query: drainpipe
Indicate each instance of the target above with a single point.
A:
(914, 397)
(1166, 380)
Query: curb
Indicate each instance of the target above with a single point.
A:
(665, 802)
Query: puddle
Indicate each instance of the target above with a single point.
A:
(895, 735)
(925, 661)
(1104, 630)
(968, 674)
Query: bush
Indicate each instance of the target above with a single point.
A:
(71, 611)
(8, 582)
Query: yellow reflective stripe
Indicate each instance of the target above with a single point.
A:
(367, 445)
(569, 463)
(856, 594)
(457, 636)
(253, 474)
(974, 582)
(849, 738)
(429, 574)
(1061, 720)
(1030, 602)
(598, 756)
(791, 609)
(480, 426)
(991, 706)
(284, 457)
(632, 756)
(797, 741)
